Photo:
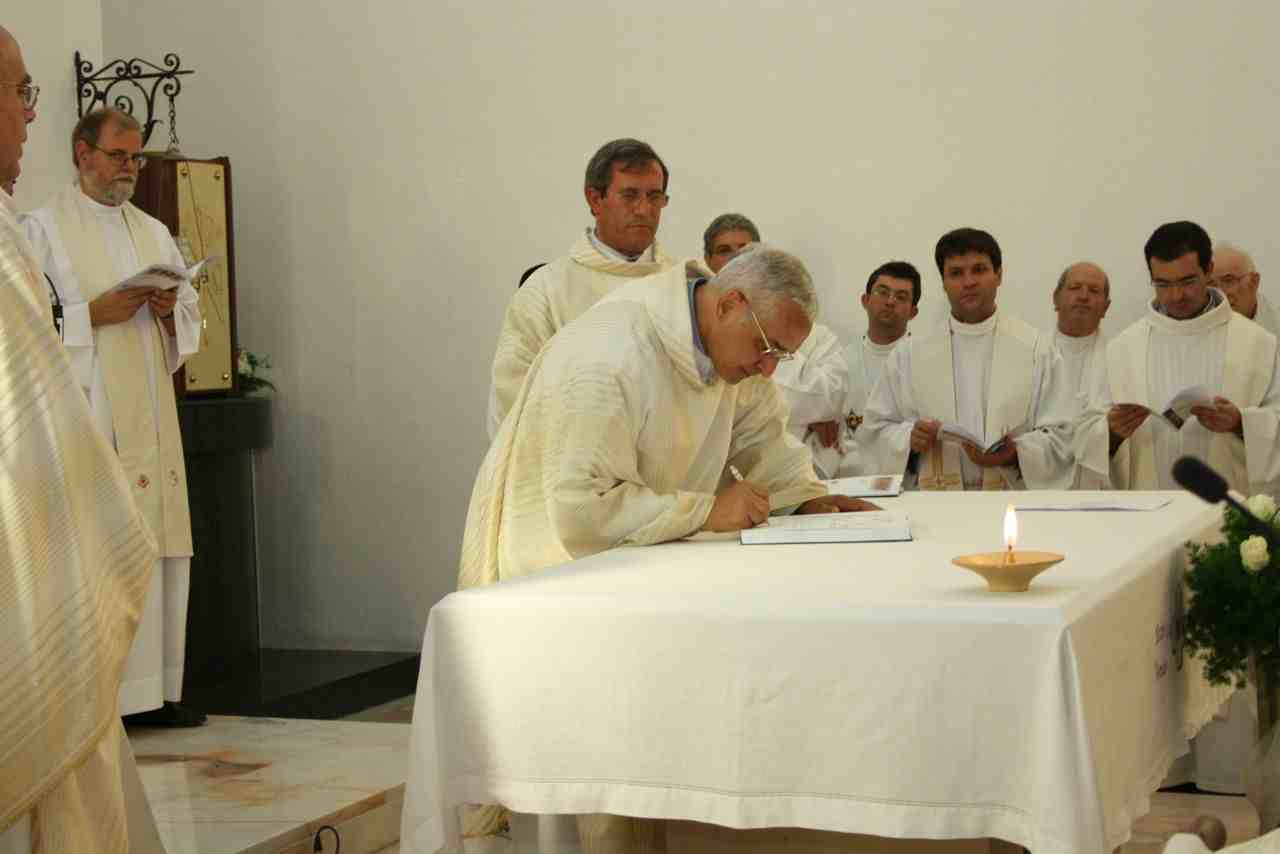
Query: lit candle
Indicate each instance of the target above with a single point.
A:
(1010, 532)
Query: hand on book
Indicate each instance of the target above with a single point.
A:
(836, 504)
(117, 306)
(923, 434)
(828, 432)
(1003, 453)
(1124, 418)
(1222, 417)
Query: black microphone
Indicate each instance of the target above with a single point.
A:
(1196, 477)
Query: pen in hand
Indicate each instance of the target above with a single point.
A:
(737, 475)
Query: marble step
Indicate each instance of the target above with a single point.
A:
(267, 785)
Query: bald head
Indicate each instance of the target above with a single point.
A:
(14, 113)
(1081, 299)
(1237, 278)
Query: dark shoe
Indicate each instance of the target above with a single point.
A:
(170, 714)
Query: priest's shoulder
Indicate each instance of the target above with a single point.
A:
(1021, 330)
(1259, 339)
(612, 333)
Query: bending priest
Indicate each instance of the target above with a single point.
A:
(75, 563)
(631, 429)
(989, 373)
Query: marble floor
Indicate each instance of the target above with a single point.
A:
(267, 785)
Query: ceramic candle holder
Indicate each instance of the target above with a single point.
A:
(1008, 572)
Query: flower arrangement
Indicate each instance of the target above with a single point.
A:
(1233, 618)
(247, 366)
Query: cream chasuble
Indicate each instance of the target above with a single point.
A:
(992, 377)
(550, 298)
(75, 562)
(813, 387)
(866, 360)
(616, 440)
(1265, 315)
(1084, 361)
(1157, 356)
(135, 394)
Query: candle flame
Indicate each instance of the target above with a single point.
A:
(1010, 528)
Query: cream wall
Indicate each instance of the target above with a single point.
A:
(50, 32)
(397, 165)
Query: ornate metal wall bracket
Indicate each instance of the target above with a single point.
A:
(94, 88)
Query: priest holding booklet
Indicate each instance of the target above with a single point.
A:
(985, 374)
(125, 342)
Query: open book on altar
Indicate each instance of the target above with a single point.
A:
(874, 526)
(1177, 409)
(162, 277)
(955, 433)
(870, 486)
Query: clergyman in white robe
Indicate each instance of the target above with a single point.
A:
(622, 435)
(991, 378)
(813, 385)
(75, 561)
(87, 248)
(1152, 360)
(866, 360)
(1084, 364)
(550, 298)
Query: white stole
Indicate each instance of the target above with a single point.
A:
(147, 437)
(1249, 359)
(1008, 399)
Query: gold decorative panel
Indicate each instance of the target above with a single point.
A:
(202, 226)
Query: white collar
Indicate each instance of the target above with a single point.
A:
(881, 348)
(985, 327)
(609, 252)
(98, 207)
(1213, 316)
(1074, 343)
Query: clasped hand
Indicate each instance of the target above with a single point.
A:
(924, 433)
(117, 306)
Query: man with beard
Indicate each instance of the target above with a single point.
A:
(124, 344)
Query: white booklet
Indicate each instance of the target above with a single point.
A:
(871, 486)
(162, 277)
(873, 526)
(955, 433)
(1177, 409)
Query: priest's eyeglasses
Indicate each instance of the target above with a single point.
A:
(120, 158)
(655, 198)
(900, 297)
(29, 93)
(1188, 282)
(769, 350)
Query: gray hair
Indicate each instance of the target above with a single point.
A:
(89, 129)
(768, 276)
(629, 154)
(1231, 247)
(1062, 280)
(728, 222)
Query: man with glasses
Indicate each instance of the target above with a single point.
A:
(626, 191)
(812, 383)
(1081, 300)
(891, 301)
(989, 373)
(73, 566)
(649, 418)
(1237, 278)
(1190, 337)
(124, 344)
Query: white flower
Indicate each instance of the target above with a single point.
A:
(245, 368)
(1262, 505)
(1253, 552)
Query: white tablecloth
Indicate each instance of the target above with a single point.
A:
(862, 688)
